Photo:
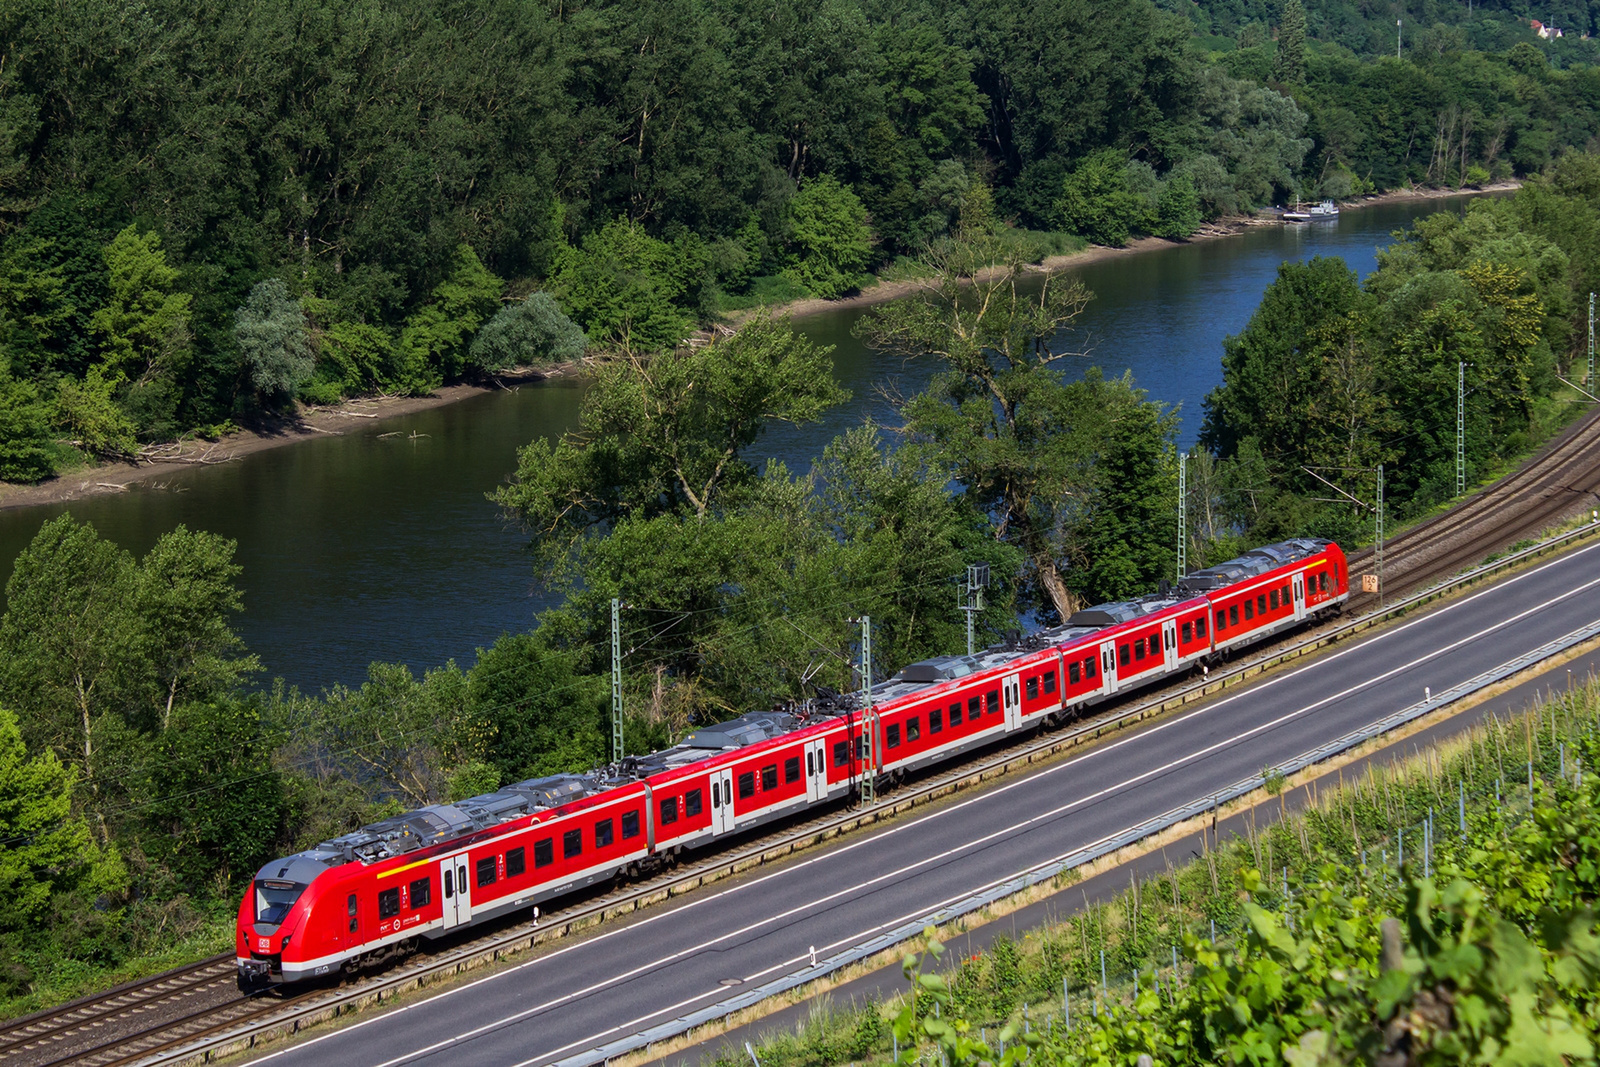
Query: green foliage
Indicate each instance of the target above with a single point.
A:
(1289, 64)
(26, 454)
(666, 435)
(829, 235)
(1028, 446)
(144, 325)
(547, 715)
(632, 290)
(1096, 201)
(435, 341)
(277, 350)
(398, 736)
(48, 850)
(536, 331)
(361, 356)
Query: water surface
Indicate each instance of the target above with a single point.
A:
(364, 547)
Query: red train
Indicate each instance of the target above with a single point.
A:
(373, 893)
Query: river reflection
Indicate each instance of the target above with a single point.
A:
(360, 547)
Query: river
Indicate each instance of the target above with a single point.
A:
(364, 547)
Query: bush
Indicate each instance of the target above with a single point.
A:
(276, 350)
(828, 236)
(532, 332)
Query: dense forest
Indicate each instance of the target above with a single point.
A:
(209, 211)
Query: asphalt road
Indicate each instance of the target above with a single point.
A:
(680, 958)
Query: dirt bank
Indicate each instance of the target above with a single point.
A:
(308, 423)
(1228, 226)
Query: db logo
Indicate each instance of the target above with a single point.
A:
(263, 943)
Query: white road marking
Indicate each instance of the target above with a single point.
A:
(923, 821)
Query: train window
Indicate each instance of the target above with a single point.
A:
(791, 769)
(891, 736)
(1233, 615)
(1272, 599)
(604, 833)
(1200, 626)
(994, 701)
(955, 714)
(544, 853)
(517, 861)
(1170, 641)
(974, 709)
(669, 811)
(914, 728)
(1122, 655)
(1322, 581)
(691, 803)
(769, 777)
(1188, 632)
(571, 844)
(1032, 685)
(1286, 599)
(421, 893)
(935, 720)
(389, 903)
(449, 881)
(630, 828)
(1074, 672)
(1222, 619)
(1249, 610)
(861, 747)
(486, 871)
(1050, 681)
(841, 753)
(1261, 603)
(1138, 649)
(1088, 666)
(351, 904)
(747, 784)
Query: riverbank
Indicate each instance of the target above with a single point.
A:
(1227, 226)
(309, 422)
(104, 478)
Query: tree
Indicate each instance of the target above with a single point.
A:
(66, 640)
(184, 596)
(546, 714)
(145, 323)
(1289, 65)
(48, 850)
(277, 351)
(829, 235)
(434, 343)
(25, 452)
(999, 412)
(534, 331)
(1096, 202)
(208, 806)
(398, 736)
(89, 412)
(666, 435)
(627, 288)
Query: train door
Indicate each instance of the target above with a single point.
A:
(457, 891)
(1169, 641)
(721, 801)
(1108, 665)
(1299, 583)
(1011, 698)
(816, 770)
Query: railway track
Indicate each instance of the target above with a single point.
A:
(142, 1019)
(80, 1031)
(1562, 478)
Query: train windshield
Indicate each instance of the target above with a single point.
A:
(274, 899)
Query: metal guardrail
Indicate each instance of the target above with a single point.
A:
(1077, 858)
(294, 1019)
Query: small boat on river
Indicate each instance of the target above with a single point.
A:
(1315, 213)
